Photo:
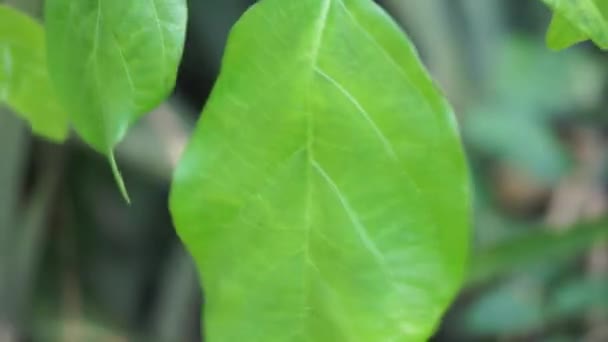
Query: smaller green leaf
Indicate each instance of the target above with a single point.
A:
(563, 34)
(113, 61)
(25, 85)
(588, 17)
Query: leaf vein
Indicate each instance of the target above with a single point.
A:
(351, 98)
(124, 63)
(161, 34)
(360, 228)
(390, 59)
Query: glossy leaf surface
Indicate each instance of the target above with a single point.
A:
(113, 61)
(324, 194)
(25, 85)
(578, 20)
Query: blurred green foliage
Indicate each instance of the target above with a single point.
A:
(76, 264)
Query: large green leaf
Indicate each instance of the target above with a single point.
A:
(324, 194)
(24, 82)
(578, 20)
(113, 61)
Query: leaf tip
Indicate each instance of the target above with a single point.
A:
(118, 177)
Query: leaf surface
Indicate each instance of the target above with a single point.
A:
(324, 194)
(113, 61)
(25, 85)
(578, 20)
(562, 34)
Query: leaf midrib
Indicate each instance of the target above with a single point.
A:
(96, 82)
(318, 35)
(161, 35)
(315, 167)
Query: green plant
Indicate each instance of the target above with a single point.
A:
(324, 194)
(577, 21)
(333, 179)
(24, 82)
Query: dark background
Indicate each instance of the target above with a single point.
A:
(77, 264)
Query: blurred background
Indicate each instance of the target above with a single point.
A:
(77, 264)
